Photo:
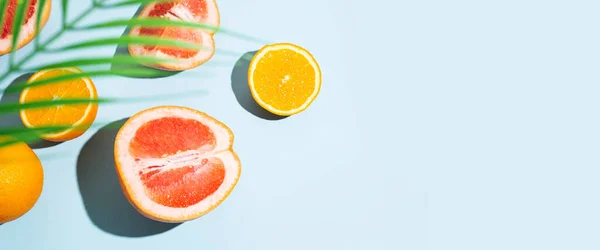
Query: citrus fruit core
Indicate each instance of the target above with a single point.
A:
(175, 163)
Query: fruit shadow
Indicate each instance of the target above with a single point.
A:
(122, 50)
(101, 192)
(13, 120)
(239, 85)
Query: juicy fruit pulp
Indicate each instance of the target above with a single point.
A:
(175, 163)
(284, 78)
(195, 8)
(191, 11)
(22, 180)
(284, 89)
(168, 151)
(9, 16)
(78, 116)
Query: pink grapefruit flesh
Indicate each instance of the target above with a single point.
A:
(9, 17)
(27, 30)
(195, 11)
(175, 163)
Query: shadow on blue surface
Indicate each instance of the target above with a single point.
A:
(12, 120)
(101, 192)
(239, 85)
(123, 50)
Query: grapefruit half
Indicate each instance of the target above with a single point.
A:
(196, 11)
(27, 32)
(175, 163)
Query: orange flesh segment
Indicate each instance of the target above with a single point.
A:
(9, 17)
(198, 8)
(182, 185)
(284, 90)
(63, 115)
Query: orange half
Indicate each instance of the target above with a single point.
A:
(284, 78)
(175, 163)
(76, 117)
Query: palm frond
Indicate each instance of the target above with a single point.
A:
(19, 18)
(117, 59)
(130, 2)
(47, 46)
(41, 5)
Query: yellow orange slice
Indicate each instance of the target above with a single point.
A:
(284, 78)
(175, 163)
(78, 117)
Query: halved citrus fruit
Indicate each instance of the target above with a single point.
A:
(27, 32)
(175, 163)
(194, 11)
(284, 78)
(75, 118)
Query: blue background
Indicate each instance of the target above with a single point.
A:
(440, 125)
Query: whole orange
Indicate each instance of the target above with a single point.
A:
(21, 179)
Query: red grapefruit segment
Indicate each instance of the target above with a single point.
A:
(196, 11)
(184, 186)
(27, 32)
(170, 135)
(187, 35)
(175, 163)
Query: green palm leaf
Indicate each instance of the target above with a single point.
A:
(19, 17)
(32, 135)
(41, 5)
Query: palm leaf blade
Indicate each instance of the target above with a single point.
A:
(22, 7)
(132, 72)
(117, 59)
(138, 40)
(38, 21)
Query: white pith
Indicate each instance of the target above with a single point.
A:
(180, 13)
(129, 169)
(305, 54)
(6, 43)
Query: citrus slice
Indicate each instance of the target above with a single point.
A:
(22, 179)
(27, 32)
(193, 11)
(77, 118)
(175, 163)
(284, 78)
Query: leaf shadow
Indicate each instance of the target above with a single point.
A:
(13, 120)
(103, 198)
(239, 85)
(123, 50)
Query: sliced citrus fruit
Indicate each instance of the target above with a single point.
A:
(22, 179)
(27, 31)
(194, 11)
(76, 118)
(284, 78)
(175, 163)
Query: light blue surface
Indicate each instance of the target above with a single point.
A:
(440, 125)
